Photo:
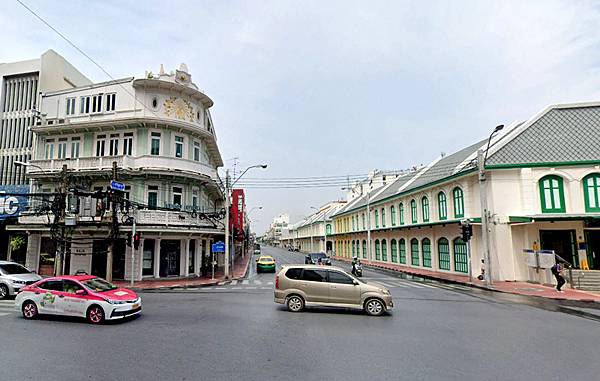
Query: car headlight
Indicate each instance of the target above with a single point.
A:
(384, 291)
(20, 282)
(116, 301)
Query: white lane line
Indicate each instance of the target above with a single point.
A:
(257, 281)
(266, 288)
(270, 283)
(236, 288)
(250, 288)
(245, 281)
(427, 285)
(4, 314)
(234, 282)
(411, 284)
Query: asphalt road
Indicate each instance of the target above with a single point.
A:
(236, 332)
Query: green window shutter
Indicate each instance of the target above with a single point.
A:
(402, 251)
(382, 217)
(552, 194)
(425, 209)
(442, 206)
(376, 219)
(401, 211)
(393, 215)
(413, 211)
(591, 192)
(414, 252)
(394, 251)
(444, 254)
(459, 203)
(384, 250)
(377, 250)
(364, 249)
(460, 256)
(426, 248)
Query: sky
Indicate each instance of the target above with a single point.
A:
(334, 88)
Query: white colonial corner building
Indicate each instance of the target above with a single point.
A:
(158, 132)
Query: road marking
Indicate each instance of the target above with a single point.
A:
(234, 282)
(245, 281)
(4, 314)
(257, 281)
(427, 285)
(236, 288)
(192, 288)
(270, 283)
(265, 288)
(220, 288)
(411, 284)
(386, 285)
(221, 283)
(250, 288)
(398, 284)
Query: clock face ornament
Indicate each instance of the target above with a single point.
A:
(179, 108)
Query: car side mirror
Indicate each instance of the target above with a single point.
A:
(80, 292)
(355, 283)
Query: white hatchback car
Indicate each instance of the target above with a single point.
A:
(13, 277)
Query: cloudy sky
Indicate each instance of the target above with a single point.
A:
(334, 88)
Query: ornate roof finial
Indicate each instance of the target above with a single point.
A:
(183, 67)
(162, 70)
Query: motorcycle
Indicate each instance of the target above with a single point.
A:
(357, 270)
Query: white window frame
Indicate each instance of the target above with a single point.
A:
(97, 139)
(49, 149)
(128, 135)
(110, 102)
(182, 194)
(70, 106)
(160, 142)
(85, 104)
(176, 143)
(61, 147)
(96, 103)
(113, 144)
(197, 148)
(158, 193)
(73, 140)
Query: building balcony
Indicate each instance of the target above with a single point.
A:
(144, 163)
(156, 218)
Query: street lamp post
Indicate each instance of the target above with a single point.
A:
(228, 187)
(485, 232)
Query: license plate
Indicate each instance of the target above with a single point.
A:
(135, 306)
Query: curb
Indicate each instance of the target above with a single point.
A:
(473, 285)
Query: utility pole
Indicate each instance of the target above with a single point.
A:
(115, 228)
(369, 224)
(133, 250)
(484, 218)
(227, 202)
(60, 219)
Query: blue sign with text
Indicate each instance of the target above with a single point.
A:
(218, 247)
(115, 185)
(13, 200)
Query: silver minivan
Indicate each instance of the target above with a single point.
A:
(299, 286)
(13, 277)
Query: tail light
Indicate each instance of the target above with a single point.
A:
(277, 282)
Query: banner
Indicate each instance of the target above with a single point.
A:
(13, 200)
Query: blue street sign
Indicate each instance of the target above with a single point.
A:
(218, 247)
(115, 185)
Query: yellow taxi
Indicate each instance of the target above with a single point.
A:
(265, 263)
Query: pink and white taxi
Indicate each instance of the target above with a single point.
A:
(78, 295)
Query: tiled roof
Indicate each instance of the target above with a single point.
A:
(564, 134)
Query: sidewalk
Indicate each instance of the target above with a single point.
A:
(519, 288)
(239, 271)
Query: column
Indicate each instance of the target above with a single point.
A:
(32, 258)
(197, 256)
(139, 257)
(186, 257)
(157, 258)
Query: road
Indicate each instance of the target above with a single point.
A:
(236, 332)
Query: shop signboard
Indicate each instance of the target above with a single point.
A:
(13, 200)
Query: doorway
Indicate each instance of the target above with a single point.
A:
(119, 259)
(170, 253)
(562, 242)
(592, 237)
(99, 251)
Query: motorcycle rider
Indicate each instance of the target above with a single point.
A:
(355, 262)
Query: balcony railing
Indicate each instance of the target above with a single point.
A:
(143, 217)
(40, 167)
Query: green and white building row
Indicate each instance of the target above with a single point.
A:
(543, 191)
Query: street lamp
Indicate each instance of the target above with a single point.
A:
(481, 159)
(227, 205)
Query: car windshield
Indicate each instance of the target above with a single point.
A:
(266, 259)
(13, 269)
(318, 255)
(99, 285)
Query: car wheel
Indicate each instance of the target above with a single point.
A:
(3, 291)
(295, 303)
(95, 315)
(374, 307)
(30, 310)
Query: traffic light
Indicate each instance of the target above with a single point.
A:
(136, 240)
(466, 230)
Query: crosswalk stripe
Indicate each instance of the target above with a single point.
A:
(4, 314)
(427, 285)
(401, 285)
(234, 282)
(270, 283)
(250, 288)
(265, 288)
(386, 285)
(257, 281)
(245, 281)
(411, 284)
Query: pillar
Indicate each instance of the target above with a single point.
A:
(157, 258)
(197, 256)
(186, 257)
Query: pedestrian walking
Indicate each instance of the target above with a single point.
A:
(560, 280)
(481, 276)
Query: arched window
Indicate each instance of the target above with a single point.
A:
(353, 224)
(413, 211)
(591, 192)
(382, 217)
(376, 219)
(425, 209)
(444, 253)
(460, 256)
(426, 248)
(442, 206)
(393, 215)
(384, 250)
(353, 249)
(328, 229)
(363, 222)
(377, 250)
(459, 202)
(401, 212)
(552, 194)
(414, 252)
(364, 249)
(402, 250)
(394, 251)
